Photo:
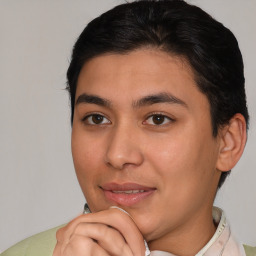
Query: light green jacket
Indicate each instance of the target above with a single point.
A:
(43, 244)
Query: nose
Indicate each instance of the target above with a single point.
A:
(123, 148)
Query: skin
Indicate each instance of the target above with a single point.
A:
(115, 232)
(174, 153)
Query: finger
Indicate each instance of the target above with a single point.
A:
(108, 238)
(83, 246)
(57, 249)
(112, 217)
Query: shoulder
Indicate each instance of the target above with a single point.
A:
(41, 244)
(250, 251)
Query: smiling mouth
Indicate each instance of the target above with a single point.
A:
(128, 191)
(126, 194)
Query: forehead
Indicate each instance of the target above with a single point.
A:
(138, 74)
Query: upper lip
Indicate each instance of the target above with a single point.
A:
(124, 187)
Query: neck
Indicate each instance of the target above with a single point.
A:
(189, 238)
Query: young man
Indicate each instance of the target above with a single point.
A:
(159, 119)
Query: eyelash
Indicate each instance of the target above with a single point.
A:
(90, 116)
(88, 119)
(167, 119)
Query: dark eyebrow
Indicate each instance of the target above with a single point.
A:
(92, 99)
(145, 101)
(158, 98)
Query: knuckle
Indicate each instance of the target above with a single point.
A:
(79, 227)
(60, 234)
(103, 230)
(79, 244)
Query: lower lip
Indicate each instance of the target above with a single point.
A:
(127, 199)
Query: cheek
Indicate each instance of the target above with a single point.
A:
(183, 159)
(87, 156)
(169, 155)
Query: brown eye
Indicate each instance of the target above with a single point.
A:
(158, 119)
(96, 119)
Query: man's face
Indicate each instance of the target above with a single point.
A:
(142, 140)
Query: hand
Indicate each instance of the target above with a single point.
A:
(106, 233)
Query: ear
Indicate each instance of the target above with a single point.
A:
(232, 142)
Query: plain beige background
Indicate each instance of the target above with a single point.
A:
(38, 187)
